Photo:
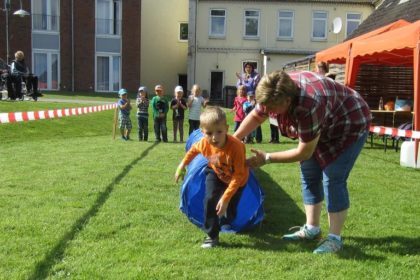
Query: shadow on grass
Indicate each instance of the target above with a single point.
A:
(57, 253)
(281, 213)
(358, 248)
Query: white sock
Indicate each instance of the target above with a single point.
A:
(312, 228)
(338, 237)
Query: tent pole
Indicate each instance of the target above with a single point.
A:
(416, 109)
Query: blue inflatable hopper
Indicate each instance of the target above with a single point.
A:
(250, 210)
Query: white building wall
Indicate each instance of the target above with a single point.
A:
(163, 55)
(227, 54)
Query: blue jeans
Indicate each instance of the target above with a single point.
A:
(160, 127)
(332, 181)
(143, 126)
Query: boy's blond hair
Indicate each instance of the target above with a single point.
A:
(212, 115)
(275, 87)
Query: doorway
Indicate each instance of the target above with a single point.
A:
(216, 86)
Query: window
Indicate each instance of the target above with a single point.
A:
(108, 72)
(353, 21)
(286, 24)
(108, 17)
(252, 20)
(45, 15)
(319, 25)
(217, 23)
(183, 31)
(46, 68)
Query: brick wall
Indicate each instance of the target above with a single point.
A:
(19, 32)
(84, 45)
(130, 56)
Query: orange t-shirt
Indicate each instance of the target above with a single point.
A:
(228, 163)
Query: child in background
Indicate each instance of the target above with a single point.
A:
(195, 102)
(142, 103)
(248, 106)
(178, 105)
(124, 120)
(160, 108)
(238, 103)
(226, 173)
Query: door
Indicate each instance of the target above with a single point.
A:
(216, 86)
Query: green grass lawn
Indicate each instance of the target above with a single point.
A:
(76, 204)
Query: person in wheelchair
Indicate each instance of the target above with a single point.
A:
(19, 73)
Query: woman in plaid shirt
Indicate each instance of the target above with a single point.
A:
(331, 122)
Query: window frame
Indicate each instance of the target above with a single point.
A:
(217, 36)
(292, 20)
(352, 20)
(110, 56)
(49, 17)
(179, 29)
(245, 17)
(313, 38)
(49, 54)
(112, 19)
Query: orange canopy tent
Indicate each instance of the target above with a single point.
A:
(398, 46)
(339, 53)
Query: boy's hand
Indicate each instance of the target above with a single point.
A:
(180, 173)
(221, 208)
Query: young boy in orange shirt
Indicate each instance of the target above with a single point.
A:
(226, 173)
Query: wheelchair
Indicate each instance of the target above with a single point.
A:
(6, 77)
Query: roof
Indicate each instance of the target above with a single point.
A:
(389, 11)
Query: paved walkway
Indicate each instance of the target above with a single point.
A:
(81, 101)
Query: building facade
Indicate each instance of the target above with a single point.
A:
(225, 34)
(164, 43)
(78, 45)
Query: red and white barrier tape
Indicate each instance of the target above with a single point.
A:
(51, 114)
(395, 132)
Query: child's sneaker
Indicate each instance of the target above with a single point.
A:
(329, 245)
(210, 243)
(302, 234)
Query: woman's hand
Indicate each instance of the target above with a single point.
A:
(257, 160)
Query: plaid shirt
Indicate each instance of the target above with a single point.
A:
(336, 112)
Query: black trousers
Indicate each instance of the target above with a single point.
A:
(14, 86)
(258, 134)
(274, 133)
(31, 82)
(194, 124)
(214, 191)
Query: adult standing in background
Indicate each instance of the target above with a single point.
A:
(250, 78)
(331, 122)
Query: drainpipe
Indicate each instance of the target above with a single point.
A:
(72, 45)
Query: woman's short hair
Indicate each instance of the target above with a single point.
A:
(249, 64)
(212, 115)
(19, 55)
(275, 87)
